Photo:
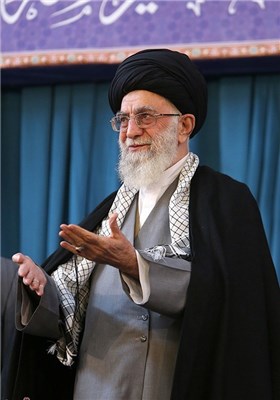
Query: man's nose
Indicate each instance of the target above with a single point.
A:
(133, 129)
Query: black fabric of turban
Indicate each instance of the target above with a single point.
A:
(167, 73)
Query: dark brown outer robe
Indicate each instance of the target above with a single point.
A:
(230, 343)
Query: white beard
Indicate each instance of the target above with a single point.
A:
(145, 167)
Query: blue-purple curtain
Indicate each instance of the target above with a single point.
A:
(59, 154)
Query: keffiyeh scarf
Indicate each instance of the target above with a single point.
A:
(73, 278)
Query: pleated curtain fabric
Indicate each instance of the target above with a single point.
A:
(59, 154)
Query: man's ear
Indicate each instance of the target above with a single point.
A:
(186, 127)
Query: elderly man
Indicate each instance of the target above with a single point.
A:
(167, 290)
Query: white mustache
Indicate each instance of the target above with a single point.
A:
(132, 142)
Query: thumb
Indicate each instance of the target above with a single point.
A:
(113, 225)
(18, 258)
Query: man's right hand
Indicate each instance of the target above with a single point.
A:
(32, 275)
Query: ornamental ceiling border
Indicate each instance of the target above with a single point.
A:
(205, 51)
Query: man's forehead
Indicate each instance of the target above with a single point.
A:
(144, 100)
(137, 109)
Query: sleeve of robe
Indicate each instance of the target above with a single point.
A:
(38, 315)
(167, 280)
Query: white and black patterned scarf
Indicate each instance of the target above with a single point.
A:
(73, 278)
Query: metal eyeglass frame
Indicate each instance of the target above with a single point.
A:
(114, 121)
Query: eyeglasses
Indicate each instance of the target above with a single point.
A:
(143, 120)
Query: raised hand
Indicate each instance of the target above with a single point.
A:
(115, 250)
(32, 275)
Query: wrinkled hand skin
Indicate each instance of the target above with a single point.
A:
(32, 275)
(114, 250)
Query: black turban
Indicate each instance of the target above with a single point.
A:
(167, 73)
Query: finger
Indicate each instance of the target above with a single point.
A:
(66, 232)
(78, 232)
(28, 279)
(26, 268)
(73, 229)
(40, 290)
(23, 270)
(67, 245)
(78, 250)
(22, 262)
(72, 233)
(66, 236)
(35, 283)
